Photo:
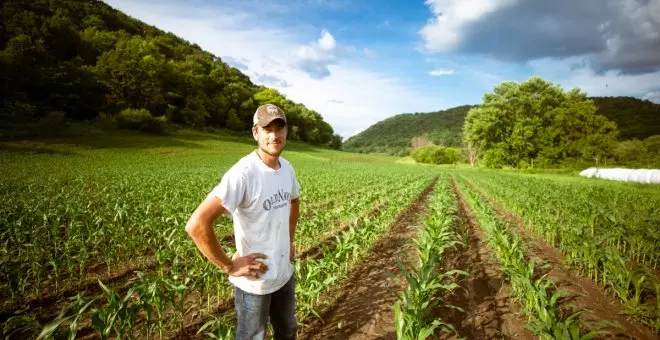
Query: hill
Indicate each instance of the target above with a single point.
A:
(635, 118)
(394, 134)
(71, 59)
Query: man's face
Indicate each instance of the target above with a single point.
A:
(272, 137)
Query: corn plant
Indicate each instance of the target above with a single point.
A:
(425, 283)
(607, 231)
(538, 296)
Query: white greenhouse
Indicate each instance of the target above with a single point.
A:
(624, 175)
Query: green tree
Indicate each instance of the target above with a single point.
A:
(335, 142)
(270, 96)
(131, 72)
(233, 122)
(520, 123)
(81, 58)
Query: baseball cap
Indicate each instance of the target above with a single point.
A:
(266, 114)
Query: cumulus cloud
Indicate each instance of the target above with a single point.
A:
(268, 50)
(621, 35)
(442, 72)
(652, 96)
(610, 83)
(315, 58)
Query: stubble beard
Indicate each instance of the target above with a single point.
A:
(274, 154)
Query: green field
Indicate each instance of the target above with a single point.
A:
(94, 244)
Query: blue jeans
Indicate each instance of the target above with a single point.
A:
(253, 312)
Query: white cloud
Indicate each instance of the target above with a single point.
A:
(369, 53)
(610, 83)
(622, 35)
(652, 96)
(442, 72)
(327, 41)
(315, 58)
(443, 31)
(268, 51)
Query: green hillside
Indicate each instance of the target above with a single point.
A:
(635, 118)
(393, 135)
(73, 60)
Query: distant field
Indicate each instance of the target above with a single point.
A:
(111, 209)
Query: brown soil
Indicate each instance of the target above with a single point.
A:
(47, 306)
(363, 308)
(484, 296)
(315, 252)
(582, 293)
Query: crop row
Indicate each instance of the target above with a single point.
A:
(537, 294)
(614, 244)
(182, 282)
(427, 281)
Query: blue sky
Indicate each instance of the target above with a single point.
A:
(358, 62)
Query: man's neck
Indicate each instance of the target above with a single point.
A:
(272, 162)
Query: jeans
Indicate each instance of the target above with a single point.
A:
(253, 312)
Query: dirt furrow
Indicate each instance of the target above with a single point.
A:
(364, 308)
(488, 308)
(582, 293)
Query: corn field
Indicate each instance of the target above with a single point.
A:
(94, 244)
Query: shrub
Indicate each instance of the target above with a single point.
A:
(434, 154)
(105, 121)
(141, 120)
(52, 124)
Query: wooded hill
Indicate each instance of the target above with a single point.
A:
(71, 59)
(635, 118)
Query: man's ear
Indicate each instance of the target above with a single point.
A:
(254, 133)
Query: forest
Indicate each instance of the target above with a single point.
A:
(84, 61)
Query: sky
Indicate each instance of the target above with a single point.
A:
(357, 62)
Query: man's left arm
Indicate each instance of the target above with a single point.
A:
(293, 221)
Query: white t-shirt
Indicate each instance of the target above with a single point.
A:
(258, 198)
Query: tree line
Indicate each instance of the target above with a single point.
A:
(83, 60)
(537, 123)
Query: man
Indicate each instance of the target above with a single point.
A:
(261, 193)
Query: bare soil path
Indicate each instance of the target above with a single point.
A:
(489, 311)
(364, 306)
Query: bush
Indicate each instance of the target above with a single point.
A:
(105, 122)
(52, 124)
(141, 120)
(434, 154)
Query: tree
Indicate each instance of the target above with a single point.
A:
(420, 141)
(81, 58)
(519, 123)
(270, 96)
(335, 142)
(131, 71)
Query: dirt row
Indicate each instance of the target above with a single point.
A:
(582, 293)
(362, 307)
(485, 297)
(314, 252)
(48, 305)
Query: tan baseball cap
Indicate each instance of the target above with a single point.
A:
(266, 114)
